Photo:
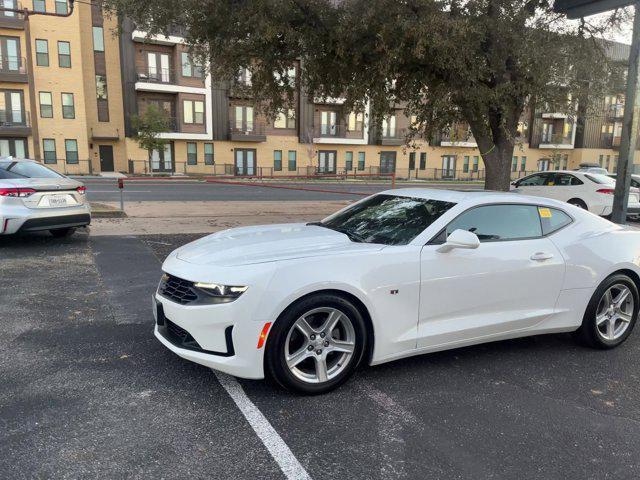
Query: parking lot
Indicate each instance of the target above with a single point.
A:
(88, 392)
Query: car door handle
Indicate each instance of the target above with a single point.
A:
(541, 256)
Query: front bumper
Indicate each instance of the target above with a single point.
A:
(216, 336)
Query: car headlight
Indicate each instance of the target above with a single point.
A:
(224, 293)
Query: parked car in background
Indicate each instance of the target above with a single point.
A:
(589, 191)
(635, 180)
(598, 170)
(34, 198)
(400, 273)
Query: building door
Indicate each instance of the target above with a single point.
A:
(106, 158)
(158, 67)
(245, 161)
(9, 53)
(162, 160)
(387, 162)
(543, 164)
(327, 161)
(448, 166)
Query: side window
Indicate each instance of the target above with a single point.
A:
(499, 222)
(552, 219)
(533, 181)
(565, 180)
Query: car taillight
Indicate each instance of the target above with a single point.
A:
(606, 191)
(16, 192)
(81, 190)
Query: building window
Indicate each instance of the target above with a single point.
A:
(49, 149)
(465, 164)
(277, 160)
(39, 6)
(565, 161)
(61, 7)
(243, 121)
(514, 164)
(71, 151)
(423, 160)
(389, 126)
(285, 119)
(348, 161)
(68, 106)
(476, 162)
(356, 121)
(189, 67)
(101, 87)
(192, 153)
(243, 77)
(601, 160)
(606, 165)
(46, 105)
(523, 164)
(360, 161)
(208, 153)
(292, 166)
(64, 54)
(42, 53)
(98, 39)
(193, 111)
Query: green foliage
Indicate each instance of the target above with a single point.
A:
(481, 62)
(149, 125)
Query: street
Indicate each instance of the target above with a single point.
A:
(106, 190)
(88, 392)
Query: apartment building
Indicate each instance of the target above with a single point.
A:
(70, 89)
(60, 93)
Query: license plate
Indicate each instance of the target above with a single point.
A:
(57, 200)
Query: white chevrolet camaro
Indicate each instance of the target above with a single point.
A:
(399, 273)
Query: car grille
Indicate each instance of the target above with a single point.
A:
(176, 289)
(181, 337)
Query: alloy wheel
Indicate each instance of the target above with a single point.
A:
(320, 345)
(614, 312)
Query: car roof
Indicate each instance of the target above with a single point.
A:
(11, 159)
(470, 197)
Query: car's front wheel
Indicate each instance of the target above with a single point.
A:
(611, 313)
(316, 344)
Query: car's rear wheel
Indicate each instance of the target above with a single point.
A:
(316, 344)
(62, 232)
(611, 313)
(576, 202)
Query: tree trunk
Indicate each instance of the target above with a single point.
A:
(497, 164)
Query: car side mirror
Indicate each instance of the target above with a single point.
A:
(460, 239)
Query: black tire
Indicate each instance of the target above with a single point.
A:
(576, 202)
(589, 334)
(62, 232)
(275, 355)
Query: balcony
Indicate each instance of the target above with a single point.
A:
(556, 141)
(615, 111)
(339, 134)
(240, 89)
(247, 132)
(157, 75)
(14, 123)
(12, 20)
(456, 139)
(394, 137)
(13, 69)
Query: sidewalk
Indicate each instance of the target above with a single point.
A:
(208, 217)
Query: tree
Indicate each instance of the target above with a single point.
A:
(148, 126)
(483, 62)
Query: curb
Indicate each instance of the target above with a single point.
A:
(108, 214)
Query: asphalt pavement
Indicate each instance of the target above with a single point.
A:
(106, 190)
(88, 392)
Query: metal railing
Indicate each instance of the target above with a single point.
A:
(556, 139)
(13, 65)
(253, 128)
(156, 75)
(397, 134)
(14, 118)
(336, 131)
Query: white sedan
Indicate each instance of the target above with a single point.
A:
(399, 273)
(590, 191)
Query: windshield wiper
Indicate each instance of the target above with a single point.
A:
(352, 236)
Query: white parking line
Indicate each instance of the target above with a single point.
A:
(278, 449)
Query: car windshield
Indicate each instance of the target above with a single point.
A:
(601, 179)
(387, 219)
(13, 169)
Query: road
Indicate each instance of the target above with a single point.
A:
(88, 392)
(106, 190)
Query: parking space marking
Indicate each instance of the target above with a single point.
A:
(276, 446)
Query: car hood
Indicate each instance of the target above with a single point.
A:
(251, 245)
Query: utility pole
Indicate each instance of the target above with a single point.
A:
(630, 124)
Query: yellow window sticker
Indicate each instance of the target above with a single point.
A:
(545, 212)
